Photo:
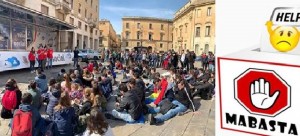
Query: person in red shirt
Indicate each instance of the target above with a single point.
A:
(40, 54)
(31, 58)
(160, 87)
(50, 57)
(90, 67)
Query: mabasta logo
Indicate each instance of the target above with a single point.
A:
(263, 93)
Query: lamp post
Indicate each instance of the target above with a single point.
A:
(141, 35)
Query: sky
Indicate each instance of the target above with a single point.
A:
(114, 10)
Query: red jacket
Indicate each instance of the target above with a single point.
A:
(50, 53)
(31, 56)
(90, 67)
(164, 85)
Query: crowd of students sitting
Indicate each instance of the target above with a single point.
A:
(76, 101)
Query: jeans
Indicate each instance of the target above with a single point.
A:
(211, 67)
(44, 64)
(75, 62)
(172, 112)
(32, 63)
(122, 115)
(40, 63)
(49, 65)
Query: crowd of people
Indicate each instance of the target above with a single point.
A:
(76, 100)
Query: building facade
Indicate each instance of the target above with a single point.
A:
(108, 36)
(63, 24)
(154, 33)
(194, 27)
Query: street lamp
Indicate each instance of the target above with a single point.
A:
(141, 34)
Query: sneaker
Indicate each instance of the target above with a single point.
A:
(152, 120)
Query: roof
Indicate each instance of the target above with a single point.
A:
(147, 18)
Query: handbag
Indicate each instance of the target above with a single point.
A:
(166, 105)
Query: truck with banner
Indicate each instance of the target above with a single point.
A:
(18, 60)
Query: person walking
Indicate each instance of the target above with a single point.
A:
(31, 58)
(76, 52)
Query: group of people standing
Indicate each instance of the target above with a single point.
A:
(44, 57)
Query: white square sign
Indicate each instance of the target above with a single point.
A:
(258, 95)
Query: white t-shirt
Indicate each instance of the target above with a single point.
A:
(183, 57)
(109, 132)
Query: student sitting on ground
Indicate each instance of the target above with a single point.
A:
(129, 109)
(181, 103)
(11, 99)
(36, 94)
(64, 116)
(98, 98)
(41, 81)
(96, 125)
(54, 97)
(66, 84)
(86, 104)
(76, 92)
(76, 79)
(26, 118)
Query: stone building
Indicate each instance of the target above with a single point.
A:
(108, 36)
(62, 24)
(153, 33)
(194, 27)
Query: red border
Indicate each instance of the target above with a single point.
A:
(220, 93)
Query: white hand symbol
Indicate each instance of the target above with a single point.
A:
(260, 94)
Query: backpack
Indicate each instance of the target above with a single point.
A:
(6, 114)
(9, 100)
(22, 124)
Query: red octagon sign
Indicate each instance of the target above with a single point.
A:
(262, 92)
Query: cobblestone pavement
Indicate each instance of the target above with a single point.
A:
(200, 123)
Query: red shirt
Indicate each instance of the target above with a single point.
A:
(41, 54)
(31, 56)
(50, 53)
(164, 85)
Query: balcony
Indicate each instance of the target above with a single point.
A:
(92, 22)
(19, 2)
(180, 39)
(63, 6)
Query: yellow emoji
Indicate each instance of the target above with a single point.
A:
(283, 38)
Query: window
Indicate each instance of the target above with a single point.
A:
(207, 31)
(197, 31)
(79, 8)
(126, 44)
(44, 9)
(138, 43)
(85, 28)
(162, 27)
(85, 12)
(127, 25)
(138, 25)
(101, 32)
(180, 32)
(85, 0)
(72, 21)
(209, 11)
(91, 2)
(161, 45)
(161, 36)
(198, 13)
(150, 36)
(91, 15)
(79, 24)
(96, 32)
(186, 28)
(61, 16)
(138, 35)
(127, 35)
(97, 8)
(150, 26)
